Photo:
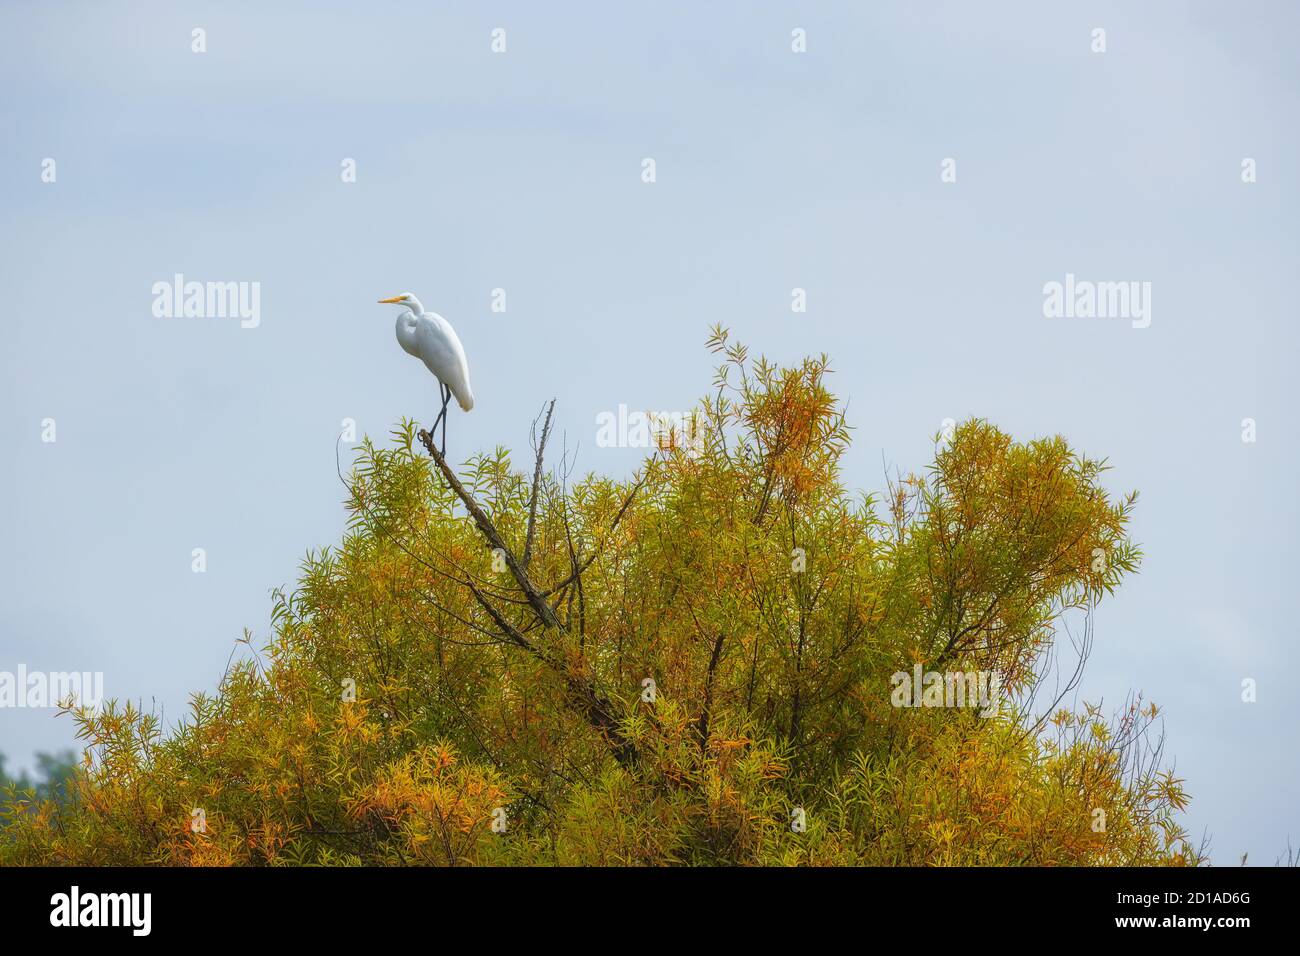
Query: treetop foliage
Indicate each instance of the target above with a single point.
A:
(692, 666)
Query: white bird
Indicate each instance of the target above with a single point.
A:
(431, 339)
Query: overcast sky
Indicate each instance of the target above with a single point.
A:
(523, 171)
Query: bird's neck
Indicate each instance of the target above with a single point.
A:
(414, 305)
(406, 332)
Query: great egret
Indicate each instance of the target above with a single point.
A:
(431, 339)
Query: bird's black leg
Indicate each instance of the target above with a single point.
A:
(445, 401)
(442, 414)
(442, 417)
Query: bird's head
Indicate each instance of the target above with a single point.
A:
(406, 300)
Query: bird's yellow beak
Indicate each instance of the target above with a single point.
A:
(395, 299)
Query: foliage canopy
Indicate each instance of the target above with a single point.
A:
(666, 670)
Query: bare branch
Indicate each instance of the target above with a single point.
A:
(537, 480)
(535, 598)
(593, 705)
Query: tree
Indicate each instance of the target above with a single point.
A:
(52, 771)
(699, 665)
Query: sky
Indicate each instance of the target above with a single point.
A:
(922, 171)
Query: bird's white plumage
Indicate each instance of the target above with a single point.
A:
(430, 338)
(406, 334)
(444, 356)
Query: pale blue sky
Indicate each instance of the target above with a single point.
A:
(522, 171)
